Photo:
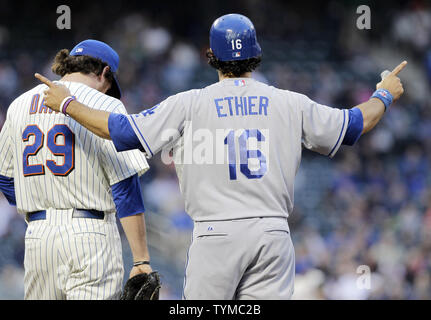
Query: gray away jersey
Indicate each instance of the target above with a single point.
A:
(237, 145)
(57, 163)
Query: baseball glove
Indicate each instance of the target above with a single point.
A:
(144, 286)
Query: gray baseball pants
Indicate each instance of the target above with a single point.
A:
(244, 259)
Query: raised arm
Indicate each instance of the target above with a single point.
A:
(94, 120)
(125, 131)
(373, 109)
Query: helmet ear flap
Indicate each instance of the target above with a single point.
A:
(233, 37)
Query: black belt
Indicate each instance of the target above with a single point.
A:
(77, 213)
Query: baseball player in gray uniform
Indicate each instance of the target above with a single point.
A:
(237, 147)
(69, 184)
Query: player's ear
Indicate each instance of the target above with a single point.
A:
(104, 72)
(103, 79)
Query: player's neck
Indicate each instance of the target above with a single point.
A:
(221, 76)
(87, 79)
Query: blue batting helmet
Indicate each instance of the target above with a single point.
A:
(233, 37)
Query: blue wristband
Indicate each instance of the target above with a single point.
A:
(384, 95)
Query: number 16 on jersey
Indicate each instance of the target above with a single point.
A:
(252, 148)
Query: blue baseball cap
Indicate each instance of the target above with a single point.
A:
(100, 50)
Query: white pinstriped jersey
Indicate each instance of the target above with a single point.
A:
(57, 163)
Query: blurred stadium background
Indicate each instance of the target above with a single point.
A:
(370, 205)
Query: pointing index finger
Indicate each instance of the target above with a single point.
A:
(43, 79)
(399, 68)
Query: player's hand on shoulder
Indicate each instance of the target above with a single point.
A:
(55, 94)
(391, 82)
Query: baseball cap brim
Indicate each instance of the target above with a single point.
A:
(115, 90)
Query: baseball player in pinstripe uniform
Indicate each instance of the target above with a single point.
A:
(240, 193)
(69, 184)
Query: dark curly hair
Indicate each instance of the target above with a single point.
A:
(64, 64)
(233, 69)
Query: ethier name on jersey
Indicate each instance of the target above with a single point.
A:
(242, 106)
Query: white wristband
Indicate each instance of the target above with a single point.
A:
(65, 100)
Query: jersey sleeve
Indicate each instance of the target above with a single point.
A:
(121, 165)
(161, 125)
(7, 186)
(323, 127)
(127, 197)
(6, 153)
